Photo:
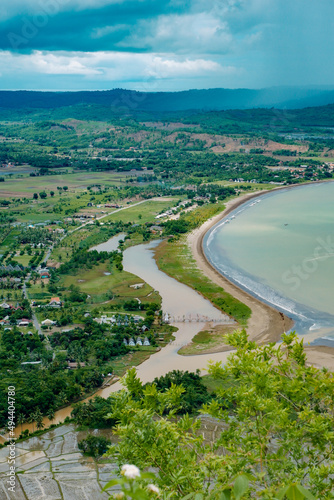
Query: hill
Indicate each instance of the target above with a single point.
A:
(203, 100)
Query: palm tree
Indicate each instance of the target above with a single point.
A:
(39, 419)
(32, 420)
(51, 414)
(20, 420)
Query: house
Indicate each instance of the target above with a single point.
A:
(4, 305)
(146, 341)
(156, 229)
(55, 302)
(139, 341)
(136, 286)
(48, 322)
(131, 342)
(44, 274)
(23, 322)
(125, 342)
(144, 328)
(72, 365)
(4, 321)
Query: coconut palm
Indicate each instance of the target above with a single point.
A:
(51, 414)
(20, 420)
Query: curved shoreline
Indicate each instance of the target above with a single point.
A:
(266, 323)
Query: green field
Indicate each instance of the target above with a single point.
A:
(26, 185)
(96, 284)
(145, 212)
(206, 341)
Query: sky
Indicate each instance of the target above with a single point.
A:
(165, 45)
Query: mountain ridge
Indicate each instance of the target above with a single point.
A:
(202, 100)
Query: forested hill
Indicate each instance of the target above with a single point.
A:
(211, 99)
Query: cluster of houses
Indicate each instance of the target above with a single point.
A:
(54, 302)
(170, 212)
(11, 269)
(9, 282)
(5, 322)
(119, 320)
(138, 342)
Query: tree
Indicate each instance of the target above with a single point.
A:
(35, 196)
(20, 420)
(94, 446)
(51, 414)
(65, 188)
(52, 193)
(275, 416)
(39, 419)
(42, 195)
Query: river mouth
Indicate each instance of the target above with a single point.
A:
(279, 248)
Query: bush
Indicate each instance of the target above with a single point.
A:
(94, 446)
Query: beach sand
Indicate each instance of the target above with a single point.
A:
(266, 324)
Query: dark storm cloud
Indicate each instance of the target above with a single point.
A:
(90, 29)
(172, 44)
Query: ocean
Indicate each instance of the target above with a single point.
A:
(280, 248)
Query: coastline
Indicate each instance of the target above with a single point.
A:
(266, 324)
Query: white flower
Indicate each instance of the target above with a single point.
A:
(130, 471)
(119, 495)
(153, 488)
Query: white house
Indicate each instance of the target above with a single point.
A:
(48, 322)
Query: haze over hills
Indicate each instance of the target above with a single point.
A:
(211, 99)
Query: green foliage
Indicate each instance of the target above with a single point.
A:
(92, 414)
(274, 440)
(195, 393)
(94, 446)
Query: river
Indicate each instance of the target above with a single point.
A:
(188, 310)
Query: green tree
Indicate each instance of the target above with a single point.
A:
(275, 416)
(94, 446)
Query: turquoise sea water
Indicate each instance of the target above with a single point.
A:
(280, 247)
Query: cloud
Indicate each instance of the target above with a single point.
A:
(111, 66)
(249, 43)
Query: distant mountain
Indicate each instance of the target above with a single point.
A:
(202, 100)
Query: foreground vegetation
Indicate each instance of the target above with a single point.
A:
(273, 440)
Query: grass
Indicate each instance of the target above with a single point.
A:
(175, 259)
(145, 212)
(36, 292)
(136, 357)
(23, 260)
(96, 284)
(207, 341)
(26, 185)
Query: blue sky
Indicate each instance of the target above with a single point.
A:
(159, 45)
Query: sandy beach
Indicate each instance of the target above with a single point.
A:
(266, 324)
